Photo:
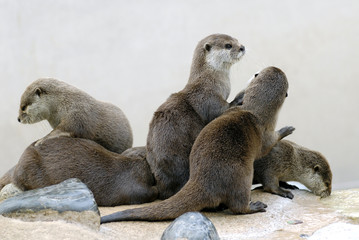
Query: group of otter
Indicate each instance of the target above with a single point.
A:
(201, 151)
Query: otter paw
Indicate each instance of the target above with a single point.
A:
(285, 131)
(287, 185)
(257, 206)
(238, 100)
(286, 194)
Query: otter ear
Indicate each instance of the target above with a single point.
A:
(316, 168)
(207, 47)
(38, 91)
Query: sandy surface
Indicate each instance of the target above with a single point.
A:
(276, 223)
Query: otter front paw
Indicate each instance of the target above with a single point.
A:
(285, 131)
(287, 186)
(257, 207)
(285, 194)
(238, 100)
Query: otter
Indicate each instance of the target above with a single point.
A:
(113, 178)
(222, 156)
(288, 161)
(72, 112)
(178, 121)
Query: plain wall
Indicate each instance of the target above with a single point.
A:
(136, 53)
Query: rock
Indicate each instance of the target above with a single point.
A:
(8, 191)
(191, 225)
(345, 202)
(70, 200)
(277, 223)
(337, 231)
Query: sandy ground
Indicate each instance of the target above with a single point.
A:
(276, 223)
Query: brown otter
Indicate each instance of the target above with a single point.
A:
(288, 161)
(113, 178)
(72, 112)
(221, 159)
(177, 122)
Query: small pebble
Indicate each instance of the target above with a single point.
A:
(294, 222)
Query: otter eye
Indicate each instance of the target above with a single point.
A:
(207, 47)
(23, 108)
(316, 168)
(255, 75)
(228, 46)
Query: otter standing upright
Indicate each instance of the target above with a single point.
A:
(177, 122)
(221, 159)
(72, 112)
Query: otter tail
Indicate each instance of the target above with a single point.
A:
(189, 198)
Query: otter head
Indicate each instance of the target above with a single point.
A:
(34, 106)
(317, 175)
(218, 52)
(265, 95)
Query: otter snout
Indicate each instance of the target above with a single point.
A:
(325, 193)
(23, 118)
(241, 51)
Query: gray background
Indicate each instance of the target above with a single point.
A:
(135, 53)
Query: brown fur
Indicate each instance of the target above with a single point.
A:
(177, 122)
(288, 161)
(221, 160)
(72, 112)
(135, 152)
(113, 178)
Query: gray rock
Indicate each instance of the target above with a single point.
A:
(191, 225)
(70, 200)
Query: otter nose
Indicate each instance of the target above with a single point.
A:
(242, 48)
(18, 119)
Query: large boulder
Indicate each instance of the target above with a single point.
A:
(70, 200)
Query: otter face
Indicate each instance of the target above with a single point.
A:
(222, 51)
(32, 107)
(318, 177)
